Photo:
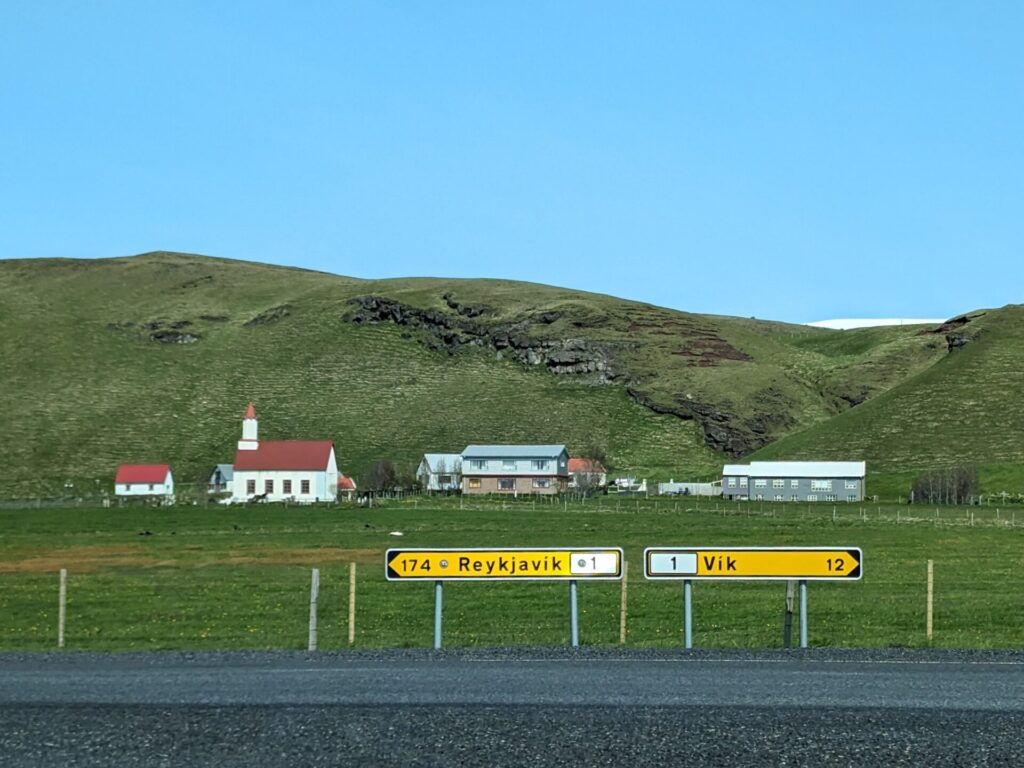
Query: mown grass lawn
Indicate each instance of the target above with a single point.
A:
(203, 578)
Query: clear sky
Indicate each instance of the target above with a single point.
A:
(791, 161)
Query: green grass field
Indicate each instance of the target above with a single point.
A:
(219, 577)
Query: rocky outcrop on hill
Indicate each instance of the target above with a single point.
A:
(591, 361)
(271, 315)
(956, 333)
(724, 431)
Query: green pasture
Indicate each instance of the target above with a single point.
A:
(203, 578)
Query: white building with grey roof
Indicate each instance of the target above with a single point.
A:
(440, 471)
(795, 481)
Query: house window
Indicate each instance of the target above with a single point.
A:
(474, 482)
(287, 486)
(507, 484)
(851, 497)
(127, 486)
(540, 465)
(478, 463)
(304, 486)
(794, 483)
(830, 497)
(541, 482)
(851, 485)
(732, 482)
(250, 487)
(743, 482)
(777, 497)
(444, 479)
(778, 483)
(821, 485)
(508, 465)
(761, 483)
(794, 497)
(760, 497)
(812, 497)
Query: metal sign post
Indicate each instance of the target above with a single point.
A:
(526, 564)
(687, 614)
(803, 613)
(438, 604)
(801, 564)
(574, 618)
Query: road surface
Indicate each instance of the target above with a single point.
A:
(538, 707)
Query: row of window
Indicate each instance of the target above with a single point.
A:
(508, 483)
(810, 497)
(268, 486)
(509, 465)
(816, 485)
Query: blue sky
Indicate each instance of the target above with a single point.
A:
(792, 161)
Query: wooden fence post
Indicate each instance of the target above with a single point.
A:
(352, 604)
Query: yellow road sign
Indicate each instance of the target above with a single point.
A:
(809, 563)
(545, 564)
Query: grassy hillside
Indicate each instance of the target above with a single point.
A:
(967, 408)
(153, 358)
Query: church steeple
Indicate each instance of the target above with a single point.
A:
(249, 442)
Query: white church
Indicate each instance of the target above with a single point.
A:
(282, 470)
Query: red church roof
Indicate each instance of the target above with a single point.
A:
(286, 454)
(142, 473)
(250, 412)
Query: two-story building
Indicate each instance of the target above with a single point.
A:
(515, 469)
(795, 481)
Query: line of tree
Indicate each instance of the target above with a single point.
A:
(952, 485)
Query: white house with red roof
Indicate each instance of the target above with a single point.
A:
(587, 473)
(282, 470)
(144, 480)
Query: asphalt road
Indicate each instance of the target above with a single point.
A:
(513, 707)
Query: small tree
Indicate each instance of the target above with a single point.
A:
(457, 475)
(952, 485)
(381, 476)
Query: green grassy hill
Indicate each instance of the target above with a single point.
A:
(154, 357)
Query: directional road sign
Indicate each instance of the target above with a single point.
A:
(547, 564)
(740, 563)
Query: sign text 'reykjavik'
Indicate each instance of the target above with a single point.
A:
(808, 563)
(546, 564)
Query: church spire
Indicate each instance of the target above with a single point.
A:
(249, 442)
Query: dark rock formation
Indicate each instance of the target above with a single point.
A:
(467, 310)
(271, 315)
(723, 431)
(957, 335)
(173, 337)
(578, 357)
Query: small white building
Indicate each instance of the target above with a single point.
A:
(282, 470)
(221, 478)
(440, 471)
(672, 488)
(587, 473)
(152, 480)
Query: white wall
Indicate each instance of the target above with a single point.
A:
(321, 486)
(143, 489)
